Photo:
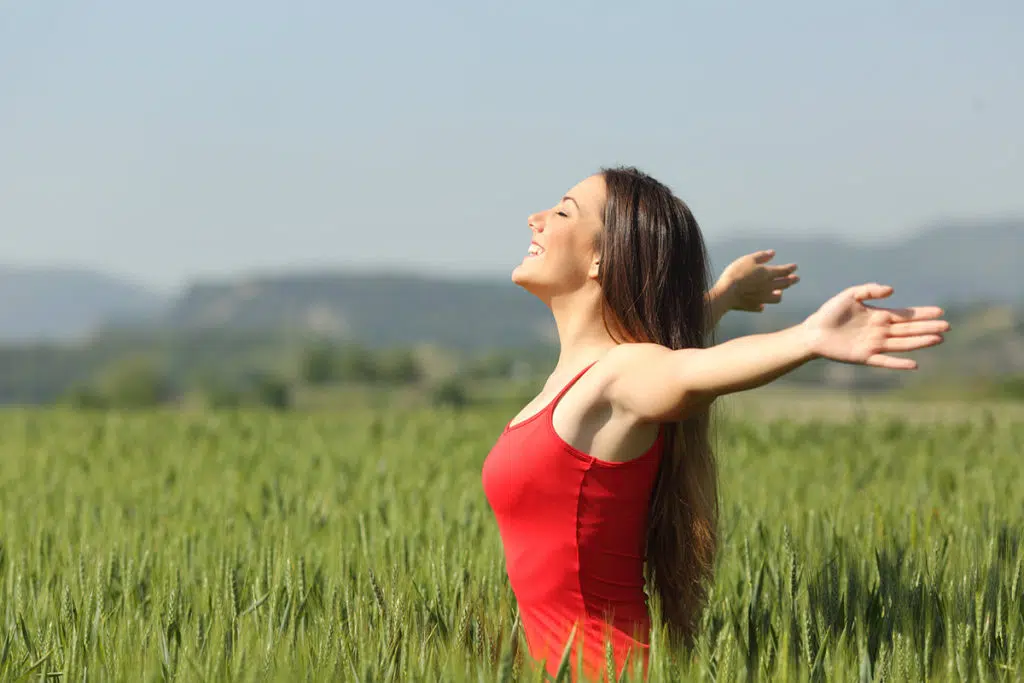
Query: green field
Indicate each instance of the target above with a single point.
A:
(258, 546)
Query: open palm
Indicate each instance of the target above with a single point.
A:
(752, 283)
(846, 329)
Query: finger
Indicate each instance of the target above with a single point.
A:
(773, 298)
(891, 362)
(780, 271)
(764, 256)
(919, 327)
(785, 282)
(871, 291)
(904, 315)
(921, 341)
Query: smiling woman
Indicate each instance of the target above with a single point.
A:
(553, 229)
(607, 478)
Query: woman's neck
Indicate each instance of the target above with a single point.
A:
(582, 335)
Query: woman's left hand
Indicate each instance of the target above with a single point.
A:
(848, 330)
(749, 284)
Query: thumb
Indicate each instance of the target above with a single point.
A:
(871, 291)
(764, 256)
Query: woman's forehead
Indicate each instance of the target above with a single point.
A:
(589, 194)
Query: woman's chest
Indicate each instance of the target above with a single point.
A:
(527, 471)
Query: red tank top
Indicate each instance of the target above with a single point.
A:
(574, 532)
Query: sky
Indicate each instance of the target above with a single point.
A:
(165, 142)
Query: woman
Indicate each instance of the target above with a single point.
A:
(609, 470)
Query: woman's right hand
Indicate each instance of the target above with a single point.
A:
(749, 283)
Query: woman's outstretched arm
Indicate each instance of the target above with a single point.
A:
(658, 384)
(748, 284)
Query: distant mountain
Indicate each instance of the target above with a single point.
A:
(952, 264)
(382, 309)
(60, 304)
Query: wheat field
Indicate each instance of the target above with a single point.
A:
(255, 546)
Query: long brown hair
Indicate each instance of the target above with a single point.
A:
(654, 273)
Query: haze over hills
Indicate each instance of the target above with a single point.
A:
(948, 264)
(67, 303)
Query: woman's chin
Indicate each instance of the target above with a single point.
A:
(532, 276)
(518, 273)
(528, 281)
(521, 275)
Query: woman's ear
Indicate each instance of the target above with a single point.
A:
(595, 262)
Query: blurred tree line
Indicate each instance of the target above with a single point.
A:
(237, 369)
(285, 368)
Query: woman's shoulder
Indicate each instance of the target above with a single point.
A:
(627, 355)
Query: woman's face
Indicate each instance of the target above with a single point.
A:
(563, 255)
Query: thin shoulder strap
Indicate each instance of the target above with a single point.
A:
(567, 387)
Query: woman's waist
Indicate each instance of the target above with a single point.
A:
(586, 589)
(564, 611)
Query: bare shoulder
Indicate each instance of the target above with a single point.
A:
(643, 380)
(626, 359)
(590, 422)
(624, 354)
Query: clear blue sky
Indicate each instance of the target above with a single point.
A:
(164, 141)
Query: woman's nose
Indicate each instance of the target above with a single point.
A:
(536, 221)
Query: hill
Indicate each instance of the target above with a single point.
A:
(64, 303)
(950, 264)
(379, 310)
(954, 266)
